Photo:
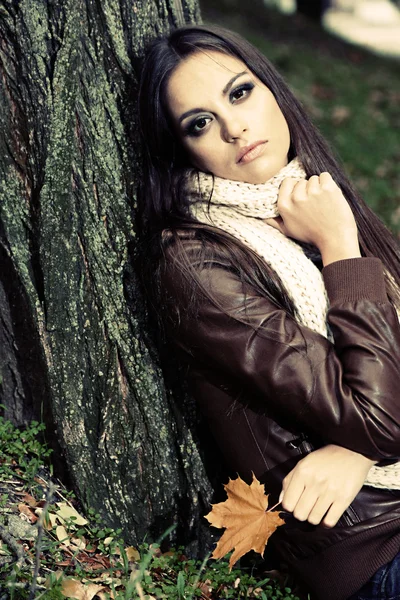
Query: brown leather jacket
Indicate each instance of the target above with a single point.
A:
(273, 390)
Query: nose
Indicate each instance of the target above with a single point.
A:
(233, 127)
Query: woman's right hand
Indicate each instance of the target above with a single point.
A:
(324, 483)
(315, 211)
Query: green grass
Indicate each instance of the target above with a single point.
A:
(352, 96)
(73, 554)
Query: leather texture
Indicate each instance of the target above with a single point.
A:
(273, 390)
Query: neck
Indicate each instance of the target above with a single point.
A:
(253, 200)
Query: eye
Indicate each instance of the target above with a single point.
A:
(197, 126)
(242, 91)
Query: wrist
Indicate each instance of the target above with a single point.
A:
(341, 450)
(334, 250)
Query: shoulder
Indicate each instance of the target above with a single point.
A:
(194, 250)
(179, 242)
(196, 266)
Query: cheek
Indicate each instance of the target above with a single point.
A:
(274, 118)
(282, 129)
(203, 155)
(285, 132)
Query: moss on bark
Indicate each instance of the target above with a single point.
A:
(68, 166)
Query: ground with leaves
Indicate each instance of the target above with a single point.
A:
(49, 550)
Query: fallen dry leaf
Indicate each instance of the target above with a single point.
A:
(93, 564)
(28, 512)
(132, 554)
(62, 535)
(248, 524)
(205, 588)
(72, 588)
(68, 562)
(66, 512)
(50, 519)
(106, 579)
(28, 499)
(79, 543)
(108, 541)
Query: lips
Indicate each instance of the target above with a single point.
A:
(248, 153)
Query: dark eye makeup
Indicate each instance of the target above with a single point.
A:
(240, 92)
(196, 127)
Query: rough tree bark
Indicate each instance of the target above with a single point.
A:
(72, 350)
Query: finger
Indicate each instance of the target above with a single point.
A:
(292, 493)
(334, 513)
(287, 185)
(313, 184)
(300, 190)
(285, 485)
(319, 510)
(326, 180)
(285, 192)
(305, 504)
(312, 506)
(276, 223)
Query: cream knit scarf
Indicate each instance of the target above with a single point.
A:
(241, 209)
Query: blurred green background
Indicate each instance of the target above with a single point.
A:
(352, 95)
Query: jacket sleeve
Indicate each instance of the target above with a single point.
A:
(347, 392)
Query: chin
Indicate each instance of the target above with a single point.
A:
(261, 178)
(262, 175)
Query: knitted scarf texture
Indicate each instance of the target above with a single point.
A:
(241, 209)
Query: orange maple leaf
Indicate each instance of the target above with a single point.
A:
(248, 524)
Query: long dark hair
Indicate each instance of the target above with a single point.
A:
(164, 205)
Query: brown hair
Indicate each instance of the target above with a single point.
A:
(163, 204)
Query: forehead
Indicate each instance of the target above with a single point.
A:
(199, 77)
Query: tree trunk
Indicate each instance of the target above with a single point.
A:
(73, 344)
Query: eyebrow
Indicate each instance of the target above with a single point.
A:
(224, 92)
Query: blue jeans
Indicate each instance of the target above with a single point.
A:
(384, 585)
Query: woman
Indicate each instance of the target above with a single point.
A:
(278, 288)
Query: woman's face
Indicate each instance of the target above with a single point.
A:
(227, 120)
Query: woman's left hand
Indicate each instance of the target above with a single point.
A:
(324, 483)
